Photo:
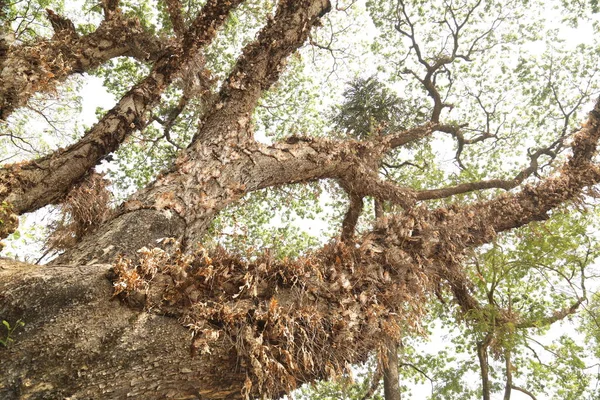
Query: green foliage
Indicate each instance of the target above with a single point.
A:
(270, 219)
(7, 338)
(370, 108)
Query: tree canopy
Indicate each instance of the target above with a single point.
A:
(285, 192)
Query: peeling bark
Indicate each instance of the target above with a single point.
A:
(222, 163)
(38, 67)
(224, 176)
(259, 340)
(408, 254)
(28, 187)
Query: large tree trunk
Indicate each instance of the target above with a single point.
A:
(260, 327)
(247, 316)
(79, 342)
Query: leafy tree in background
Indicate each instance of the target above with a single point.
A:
(471, 140)
(370, 108)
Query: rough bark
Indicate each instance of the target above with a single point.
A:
(6, 37)
(391, 379)
(80, 343)
(224, 175)
(223, 163)
(267, 318)
(30, 186)
(400, 262)
(297, 320)
(30, 68)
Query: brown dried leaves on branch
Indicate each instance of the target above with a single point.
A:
(84, 209)
(289, 321)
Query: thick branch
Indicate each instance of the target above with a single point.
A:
(350, 220)
(48, 62)
(259, 67)
(511, 211)
(174, 9)
(411, 135)
(223, 163)
(113, 351)
(46, 180)
(110, 7)
(270, 319)
(5, 33)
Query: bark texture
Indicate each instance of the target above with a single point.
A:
(223, 163)
(391, 379)
(191, 324)
(28, 187)
(259, 327)
(80, 343)
(27, 69)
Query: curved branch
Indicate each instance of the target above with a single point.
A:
(533, 203)
(51, 61)
(45, 181)
(462, 188)
(525, 391)
(556, 316)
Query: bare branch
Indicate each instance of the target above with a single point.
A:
(509, 376)
(556, 316)
(462, 188)
(171, 119)
(482, 354)
(533, 203)
(434, 65)
(522, 390)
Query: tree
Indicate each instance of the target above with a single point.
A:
(141, 305)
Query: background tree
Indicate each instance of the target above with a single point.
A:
(220, 135)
